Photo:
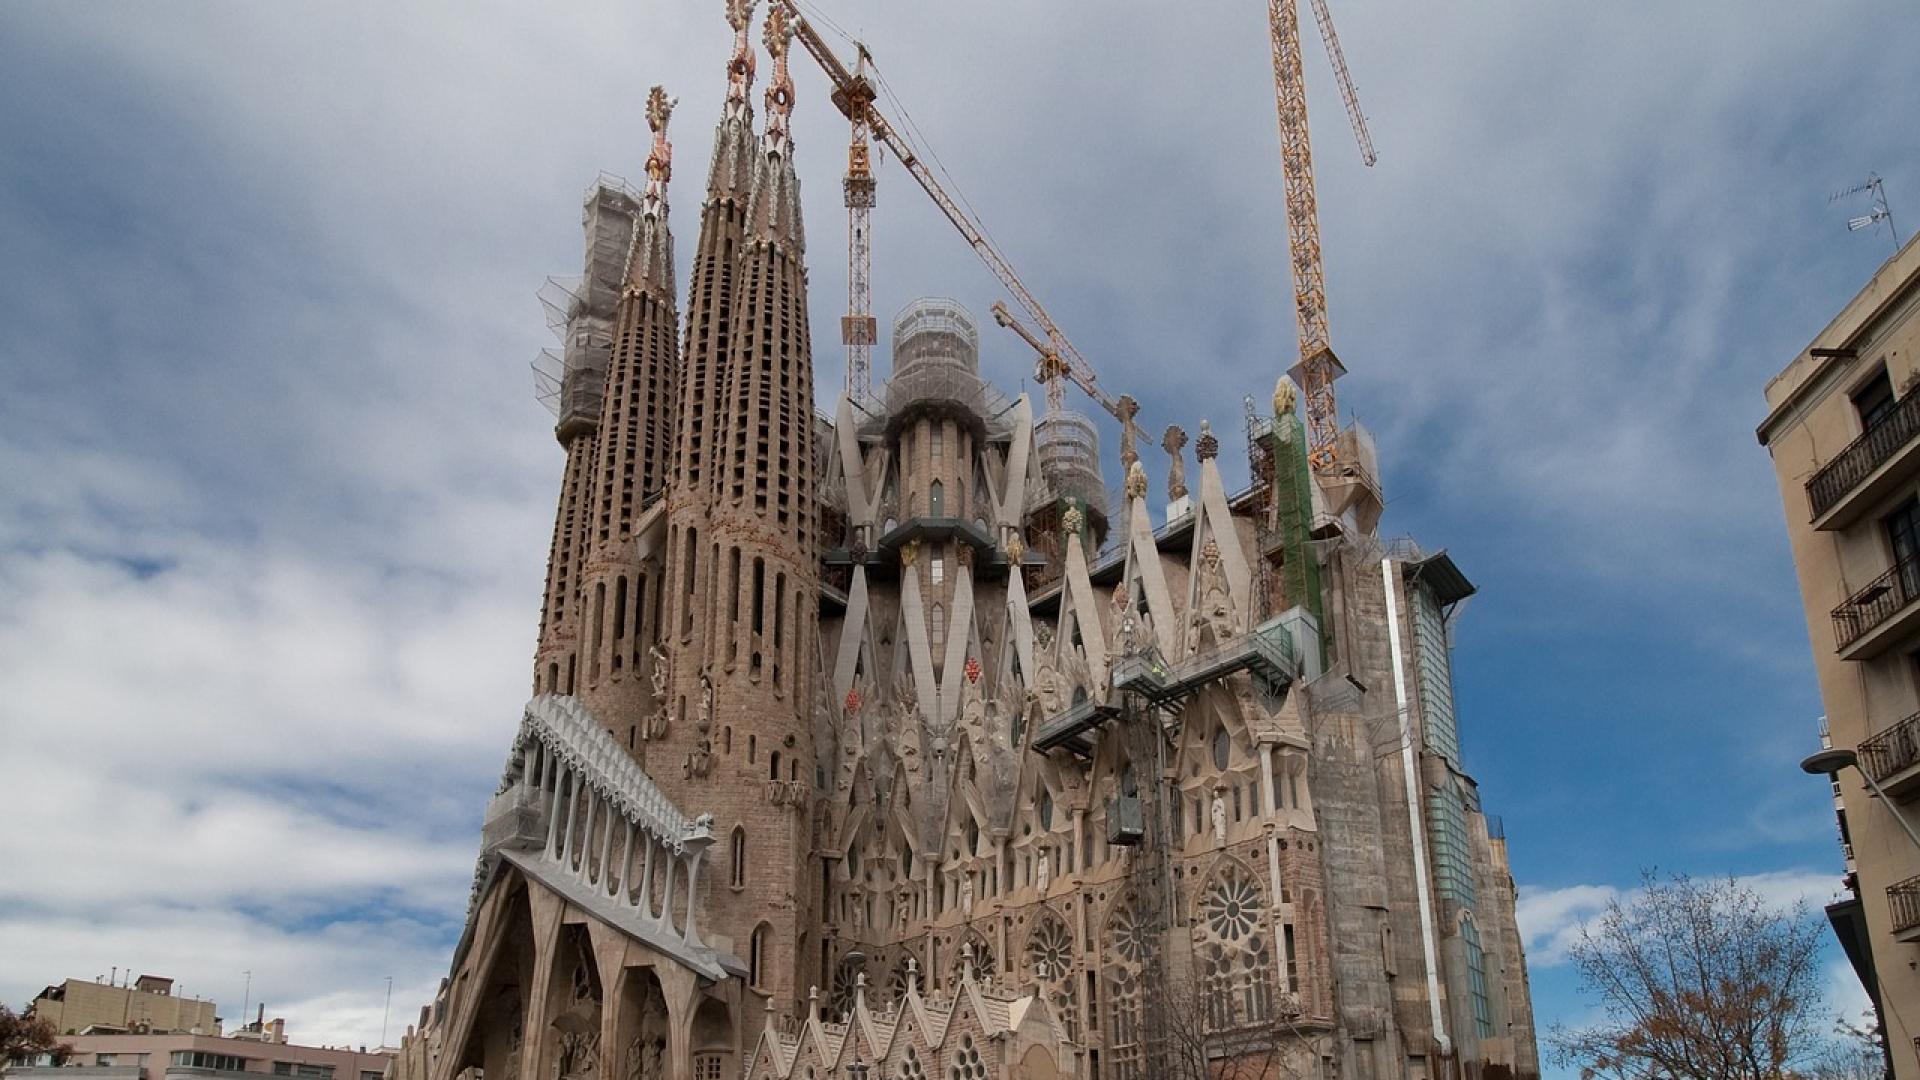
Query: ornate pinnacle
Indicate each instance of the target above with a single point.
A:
(1015, 549)
(1206, 447)
(660, 159)
(779, 39)
(1173, 442)
(1283, 397)
(740, 66)
(1072, 520)
(1136, 480)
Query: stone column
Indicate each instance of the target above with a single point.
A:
(553, 817)
(682, 992)
(573, 807)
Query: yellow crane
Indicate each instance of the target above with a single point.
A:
(853, 94)
(1318, 366)
(1049, 373)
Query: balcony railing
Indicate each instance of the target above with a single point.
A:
(1903, 905)
(1877, 602)
(1864, 454)
(1893, 751)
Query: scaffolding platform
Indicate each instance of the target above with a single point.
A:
(1072, 729)
(1268, 653)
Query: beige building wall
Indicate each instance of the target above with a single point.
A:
(76, 1005)
(1847, 486)
(153, 1057)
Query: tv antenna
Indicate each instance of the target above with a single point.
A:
(1879, 211)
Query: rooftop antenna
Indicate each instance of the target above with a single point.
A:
(247, 998)
(385, 1011)
(1879, 211)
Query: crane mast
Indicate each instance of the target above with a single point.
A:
(853, 96)
(1318, 366)
(858, 328)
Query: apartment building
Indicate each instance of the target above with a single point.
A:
(1843, 428)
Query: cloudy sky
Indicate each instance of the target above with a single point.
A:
(276, 494)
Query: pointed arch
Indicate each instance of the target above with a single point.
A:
(1233, 948)
(1129, 947)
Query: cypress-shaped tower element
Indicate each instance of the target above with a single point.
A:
(620, 595)
(762, 658)
(585, 316)
(691, 552)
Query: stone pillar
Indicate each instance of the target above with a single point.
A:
(553, 816)
(682, 992)
(1272, 804)
(573, 807)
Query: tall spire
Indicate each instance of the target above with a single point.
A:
(740, 66)
(660, 158)
(650, 259)
(779, 38)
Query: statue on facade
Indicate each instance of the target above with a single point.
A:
(1213, 608)
(1219, 814)
(1173, 442)
(966, 893)
(1043, 873)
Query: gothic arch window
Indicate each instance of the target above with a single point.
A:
(1222, 747)
(773, 766)
(1049, 962)
(936, 500)
(1233, 950)
(737, 863)
(757, 957)
(1129, 949)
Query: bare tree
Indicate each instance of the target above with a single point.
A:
(1854, 1053)
(1696, 979)
(24, 1036)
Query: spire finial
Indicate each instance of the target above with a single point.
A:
(779, 40)
(740, 66)
(660, 158)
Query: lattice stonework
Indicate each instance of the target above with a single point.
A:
(1050, 963)
(1233, 949)
(910, 1067)
(1130, 947)
(966, 1062)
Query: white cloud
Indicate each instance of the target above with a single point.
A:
(269, 580)
(1551, 920)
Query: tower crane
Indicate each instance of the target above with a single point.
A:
(1049, 373)
(1318, 366)
(857, 328)
(853, 95)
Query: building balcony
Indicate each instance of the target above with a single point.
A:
(1892, 758)
(1877, 462)
(1903, 909)
(1881, 615)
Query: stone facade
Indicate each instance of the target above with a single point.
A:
(893, 741)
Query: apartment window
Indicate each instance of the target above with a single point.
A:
(1903, 536)
(195, 1059)
(1874, 400)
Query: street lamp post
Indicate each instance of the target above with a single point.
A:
(1829, 762)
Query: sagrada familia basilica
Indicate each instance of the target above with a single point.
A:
(893, 741)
